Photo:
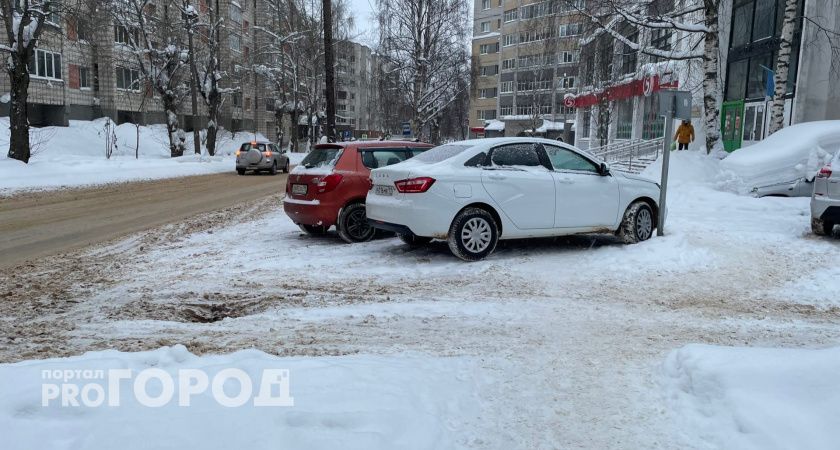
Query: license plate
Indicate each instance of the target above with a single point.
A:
(299, 189)
(383, 190)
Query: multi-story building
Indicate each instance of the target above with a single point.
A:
(356, 90)
(525, 61)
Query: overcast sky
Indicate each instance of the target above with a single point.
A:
(362, 12)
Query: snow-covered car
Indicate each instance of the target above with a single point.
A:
(825, 201)
(474, 193)
(259, 156)
(786, 162)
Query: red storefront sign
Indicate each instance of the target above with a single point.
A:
(634, 88)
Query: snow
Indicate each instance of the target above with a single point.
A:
(756, 398)
(75, 156)
(351, 402)
(548, 125)
(794, 152)
(494, 125)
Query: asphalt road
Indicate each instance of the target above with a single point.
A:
(38, 224)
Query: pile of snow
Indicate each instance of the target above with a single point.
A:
(548, 125)
(794, 152)
(494, 125)
(348, 402)
(756, 398)
(75, 156)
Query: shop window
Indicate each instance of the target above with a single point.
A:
(736, 80)
(742, 17)
(624, 123)
(757, 83)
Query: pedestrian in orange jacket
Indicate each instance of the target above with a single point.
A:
(685, 135)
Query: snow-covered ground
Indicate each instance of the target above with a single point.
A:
(550, 343)
(75, 156)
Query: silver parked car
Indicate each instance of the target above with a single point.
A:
(800, 187)
(261, 155)
(825, 202)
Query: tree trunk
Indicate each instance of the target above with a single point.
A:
(294, 117)
(175, 148)
(19, 148)
(213, 120)
(711, 84)
(777, 108)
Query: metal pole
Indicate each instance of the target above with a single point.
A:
(666, 157)
(194, 80)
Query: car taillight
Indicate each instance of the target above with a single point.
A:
(237, 153)
(329, 182)
(414, 185)
(267, 154)
(825, 172)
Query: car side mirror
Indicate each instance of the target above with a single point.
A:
(603, 169)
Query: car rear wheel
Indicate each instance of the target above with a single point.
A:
(353, 225)
(240, 171)
(313, 230)
(473, 235)
(821, 227)
(286, 167)
(273, 169)
(637, 224)
(412, 240)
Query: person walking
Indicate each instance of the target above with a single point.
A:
(685, 135)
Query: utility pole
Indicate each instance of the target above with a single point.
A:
(672, 104)
(329, 67)
(190, 15)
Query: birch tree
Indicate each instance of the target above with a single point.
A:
(208, 73)
(423, 40)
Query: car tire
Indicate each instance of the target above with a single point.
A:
(821, 227)
(637, 225)
(286, 167)
(313, 230)
(412, 240)
(240, 171)
(473, 234)
(352, 224)
(273, 169)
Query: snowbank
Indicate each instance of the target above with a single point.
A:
(75, 156)
(756, 398)
(791, 153)
(348, 402)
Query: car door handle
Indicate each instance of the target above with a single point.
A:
(497, 177)
(566, 181)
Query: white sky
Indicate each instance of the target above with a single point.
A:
(365, 26)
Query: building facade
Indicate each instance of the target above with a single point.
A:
(525, 61)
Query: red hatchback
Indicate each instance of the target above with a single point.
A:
(330, 185)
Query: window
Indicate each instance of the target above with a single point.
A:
(570, 29)
(85, 81)
(509, 64)
(515, 155)
(564, 159)
(128, 79)
(507, 87)
(568, 57)
(506, 110)
(486, 114)
(46, 65)
(247, 103)
(757, 83)
(508, 40)
(124, 36)
(485, 27)
(511, 15)
(270, 104)
(624, 122)
(236, 99)
(83, 31)
(488, 71)
(477, 160)
(235, 42)
(568, 82)
(382, 157)
(764, 20)
(629, 56)
(488, 48)
(587, 122)
(736, 80)
(485, 4)
(742, 16)
(487, 93)
(235, 13)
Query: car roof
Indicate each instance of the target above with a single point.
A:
(374, 144)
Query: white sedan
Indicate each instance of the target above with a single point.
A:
(473, 193)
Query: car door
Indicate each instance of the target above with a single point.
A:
(521, 185)
(584, 197)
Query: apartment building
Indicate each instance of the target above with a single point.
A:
(84, 70)
(525, 61)
(357, 91)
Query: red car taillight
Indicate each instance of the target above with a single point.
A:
(329, 183)
(825, 172)
(414, 185)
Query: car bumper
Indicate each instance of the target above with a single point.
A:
(422, 215)
(311, 212)
(825, 208)
(259, 166)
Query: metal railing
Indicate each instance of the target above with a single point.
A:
(630, 156)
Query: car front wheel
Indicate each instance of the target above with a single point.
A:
(637, 224)
(821, 227)
(353, 225)
(273, 169)
(473, 235)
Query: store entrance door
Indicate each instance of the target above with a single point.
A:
(732, 124)
(754, 123)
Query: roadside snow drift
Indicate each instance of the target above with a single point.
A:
(757, 398)
(349, 402)
(789, 154)
(75, 156)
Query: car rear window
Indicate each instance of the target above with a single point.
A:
(441, 153)
(248, 146)
(382, 157)
(321, 157)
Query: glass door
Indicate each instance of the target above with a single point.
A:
(754, 121)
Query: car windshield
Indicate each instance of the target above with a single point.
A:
(441, 153)
(321, 157)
